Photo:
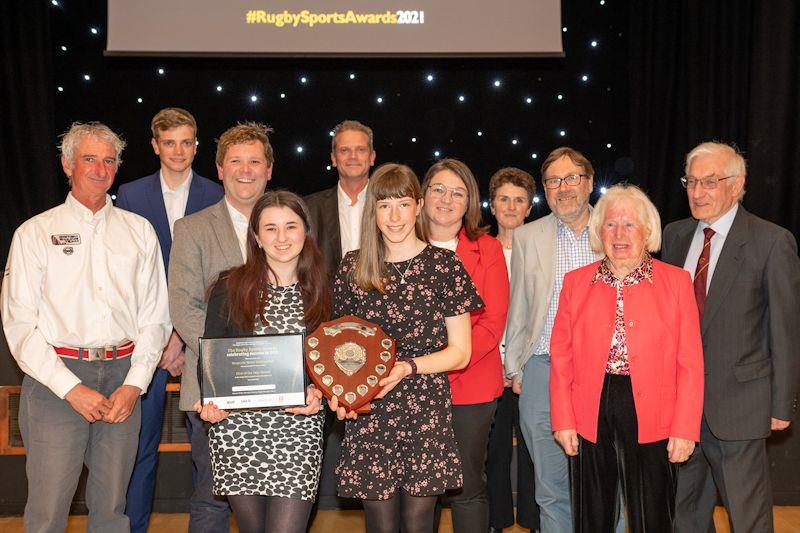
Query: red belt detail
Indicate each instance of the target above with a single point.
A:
(91, 354)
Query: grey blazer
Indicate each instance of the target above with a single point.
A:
(204, 245)
(533, 273)
(323, 206)
(750, 326)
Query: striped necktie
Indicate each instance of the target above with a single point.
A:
(701, 272)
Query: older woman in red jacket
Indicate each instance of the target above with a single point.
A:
(626, 377)
(452, 218)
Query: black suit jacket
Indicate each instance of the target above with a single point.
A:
(323, 206)
(750, 326)
(217, 324)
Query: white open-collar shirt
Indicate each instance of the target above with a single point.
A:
(79, 279)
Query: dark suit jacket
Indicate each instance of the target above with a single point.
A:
(217, 324)
(323, 206)
(144, 197)
(750, 327)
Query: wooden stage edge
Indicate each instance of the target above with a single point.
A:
(787, 520)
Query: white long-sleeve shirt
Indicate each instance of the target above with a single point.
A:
(84, 280)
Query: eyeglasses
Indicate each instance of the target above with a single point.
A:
(570, 179)
(440, 191)
(689, 182)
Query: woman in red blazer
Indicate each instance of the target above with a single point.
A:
(626, 377)
(452, 219)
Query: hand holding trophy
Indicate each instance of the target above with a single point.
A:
(347, 358)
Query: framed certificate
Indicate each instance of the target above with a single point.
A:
(252, 372)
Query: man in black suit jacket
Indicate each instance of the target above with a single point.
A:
(750, 323)
(336, 220)
(336, 212)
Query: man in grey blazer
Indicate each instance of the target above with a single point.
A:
(747, 282)
(543, 251)
(336, 212)
(205, 244)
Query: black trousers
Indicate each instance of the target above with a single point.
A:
(470, 504)
(647, 478)
(498, 469)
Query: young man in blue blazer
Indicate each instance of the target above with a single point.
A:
(162, 198)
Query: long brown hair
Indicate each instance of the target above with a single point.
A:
(472, 219)
(248, 285)
(390, 180)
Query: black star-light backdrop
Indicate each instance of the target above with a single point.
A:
(488, 112)
(640, 81)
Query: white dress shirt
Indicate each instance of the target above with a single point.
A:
(721, 229)
(350, 219)
(175, 199)
(82, 280)
(240, 224)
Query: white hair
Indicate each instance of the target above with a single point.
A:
(736, 165)
(97, 130)
(645, 210)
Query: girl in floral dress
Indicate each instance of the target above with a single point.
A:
(402, 455)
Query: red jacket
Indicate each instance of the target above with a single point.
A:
(482, 380)
(665, 353)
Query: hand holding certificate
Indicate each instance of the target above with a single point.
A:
(252, 372)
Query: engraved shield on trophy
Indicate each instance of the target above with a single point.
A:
(347, 358)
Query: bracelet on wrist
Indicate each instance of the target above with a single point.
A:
(413, 366)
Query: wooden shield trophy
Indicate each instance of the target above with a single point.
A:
(346, 358)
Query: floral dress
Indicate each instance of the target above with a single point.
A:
(407, 440)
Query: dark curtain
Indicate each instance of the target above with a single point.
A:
(689, 65)
(28, 154)
(730, 71)
(773, 136)
(722, 70)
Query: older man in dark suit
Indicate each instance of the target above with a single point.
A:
(336, 212)
(747, 285)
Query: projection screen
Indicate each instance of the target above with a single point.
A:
(443, 28)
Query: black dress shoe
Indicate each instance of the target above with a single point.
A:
(495, 530)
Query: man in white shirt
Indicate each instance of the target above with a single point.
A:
(162, 198)
(336, 212)
(85, 312)
(205, 244)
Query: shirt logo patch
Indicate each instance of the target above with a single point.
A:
(65, 239)
(68, 250)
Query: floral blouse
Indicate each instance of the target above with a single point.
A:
(618, 354)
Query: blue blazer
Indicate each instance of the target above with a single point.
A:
(144, 197)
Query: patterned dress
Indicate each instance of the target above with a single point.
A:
(269, 452)
(407, 440)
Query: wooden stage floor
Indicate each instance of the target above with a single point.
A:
(787, 520)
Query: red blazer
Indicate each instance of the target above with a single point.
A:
(665, 353)
(482, 380)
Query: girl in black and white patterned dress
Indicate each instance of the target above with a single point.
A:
(267, 462)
